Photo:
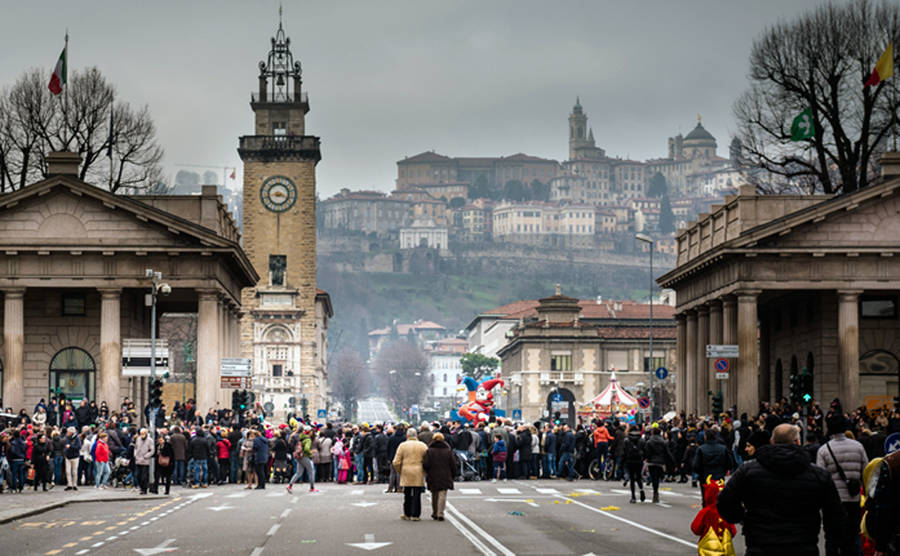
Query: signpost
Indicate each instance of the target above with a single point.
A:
(715, 351)
(236, 372)
(892, 443)
(517, 414)
(722, 366)
(136, 356)
(238, 382)
(662, 373)
(644, 402)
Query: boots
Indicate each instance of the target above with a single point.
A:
(643, 497)
(656, 498)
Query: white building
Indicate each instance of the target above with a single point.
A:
(445, 368)
(424, 232)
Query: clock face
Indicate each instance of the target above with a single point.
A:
(278, 193)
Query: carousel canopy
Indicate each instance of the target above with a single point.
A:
(613, 395)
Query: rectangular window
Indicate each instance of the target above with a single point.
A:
(655, 364)
(277, 266)
(73, 305)
(878, 308)
(277, 369)
(560, 362)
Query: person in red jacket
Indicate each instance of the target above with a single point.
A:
(223, 447)
(101, 461)
(601, 444)
(716, 541)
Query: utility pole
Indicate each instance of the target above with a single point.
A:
(157, 286)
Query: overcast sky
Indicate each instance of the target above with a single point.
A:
(388, 79)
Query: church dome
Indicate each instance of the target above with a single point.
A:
(699, 134)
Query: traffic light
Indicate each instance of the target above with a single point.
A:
(806, 387)
(897, 404)
(235, 400)
(304, 404)
(156, 393)
(243, 399)
(717, 403)
(557, 418)
(795, 388)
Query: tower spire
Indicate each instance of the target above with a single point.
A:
(280, 12)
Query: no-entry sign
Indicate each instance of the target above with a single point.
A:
(722, 366)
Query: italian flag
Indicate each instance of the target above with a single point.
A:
(883, 69)
(59, 77)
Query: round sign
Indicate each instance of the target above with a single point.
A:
(662, 373)
(722, 365)
(278, 193)
(557, 397)
(644, 402)
(892, 443)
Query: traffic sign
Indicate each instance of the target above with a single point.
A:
(892, 443)
(714, 351)
(662, 373)
(321, 414)
(644, 402)
(722, 365)
(517, 414)
(235, 366)
(239, 382)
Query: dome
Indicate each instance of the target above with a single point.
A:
(699, 134)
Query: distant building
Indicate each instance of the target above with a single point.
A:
(365, 211)
(544, 224)
(424, 232)
(445, 369)
(430, 168)
(418, 332)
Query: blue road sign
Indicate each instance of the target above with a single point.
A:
(517, 414)
(722, 365)
(321, 414)
(892, 443)
(557, 397)
(644, 402)
(662, 373)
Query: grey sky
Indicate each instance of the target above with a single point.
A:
(390, 79)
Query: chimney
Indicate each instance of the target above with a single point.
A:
(209, 207)
(63, 163)
(890, 165)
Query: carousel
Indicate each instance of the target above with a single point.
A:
(613, 400)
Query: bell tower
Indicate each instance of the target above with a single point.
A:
(278, 330)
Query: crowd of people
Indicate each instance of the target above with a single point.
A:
(90, 445)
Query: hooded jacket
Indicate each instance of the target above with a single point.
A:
(779, 496)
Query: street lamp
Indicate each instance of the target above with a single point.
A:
(649, 240)
(156, 287)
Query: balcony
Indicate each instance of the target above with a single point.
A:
(280, 98)
(279, 147)
(277, 383)
(553, 377)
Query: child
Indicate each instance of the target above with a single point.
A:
(344, 464)
(499, 457)
(714, 532)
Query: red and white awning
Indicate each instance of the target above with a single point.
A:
(613, 395)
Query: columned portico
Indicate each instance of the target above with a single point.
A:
(13, 347)
(690, 369)
(680, 330)
(702, 365)
(715, 337)
(848, 346)
(108, 379)
(748, 356)
(729, 337)
(207, 350)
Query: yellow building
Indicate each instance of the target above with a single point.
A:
(286, 317)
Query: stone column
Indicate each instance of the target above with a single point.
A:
(729, 337)
(108, 379)
(680, 364)
(748, 360)
(715, 337)
(702, 362)
(207, 350)
(14, 348)
(690, 369)
(848, 348)
(765, 370)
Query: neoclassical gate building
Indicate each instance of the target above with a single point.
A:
(72, 275)
(796, 281)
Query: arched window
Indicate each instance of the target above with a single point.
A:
(72, 375)
(779, 381)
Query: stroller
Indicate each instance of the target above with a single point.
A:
(467, 469)
(121, 473)
(282, 470)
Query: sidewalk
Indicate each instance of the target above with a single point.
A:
(17, 506)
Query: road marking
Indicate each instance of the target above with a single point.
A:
(476, 542)
(257, 551)
(364, 504)
(273, 529)
(276, 494)
(509, 491)
(663, 504)
(160, 548)
(547, 490)
(586, 490)
(369, 543)
(87, 538)
(112, 538)
(357, 492)
(294, 500)
(237, 495)
(530, 501)
(220, 508)
(632, 523)
(96, 544)
(54, 551)
(70, 544)
(470, 491)
(503, 550)
(80, 552)
(285, 513)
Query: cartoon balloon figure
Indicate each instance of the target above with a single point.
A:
(481, 399)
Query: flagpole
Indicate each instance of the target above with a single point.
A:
(66, 91)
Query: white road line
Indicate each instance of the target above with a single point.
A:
(135, 527)
(237, 495)
(509, 491)
(663, 504)
(257, 551)
(629, 522)
(273, 529)
(285, 513)
(470, 491)
(547, 490)
(586, 490)
(145, 523)
(96, 544)
(294, 500)
(476, 542)
(357, 492)
(503, 550)
(123, 533)
(80, 552)
(276, 494)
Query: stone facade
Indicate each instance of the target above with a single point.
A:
(800, 282)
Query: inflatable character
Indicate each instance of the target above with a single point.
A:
(715, 533)
(478, 407)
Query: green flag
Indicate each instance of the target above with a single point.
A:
(803, 127)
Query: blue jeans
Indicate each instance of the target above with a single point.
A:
(58, 462)
(567, 458)
(234, 469)
(549, 465)
(620, 469)
(101, 472)
(179, 470)
(200, 471)
(602, 449)
(499, 470)
(18, 473)
(360, 470)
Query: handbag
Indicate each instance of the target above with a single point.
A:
(853, 485)
(30, 475)
(163, 461)
(714, 545)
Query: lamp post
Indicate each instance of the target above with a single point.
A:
(649, 241)
(156, 287)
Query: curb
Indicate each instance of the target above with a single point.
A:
(56, 505)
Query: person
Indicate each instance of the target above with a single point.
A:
(71, 452)
(498, 456)
(303, 456)
(223, 451)
(17, 454)
(143, 452)
(178, 442)
(165, 463)
(247, 458)
(601, 438)
(85, 459)
(394, 442)
(883, 506)
(40, 460)
(199, 451)
(57, 442)
(408, 461)
(658, 456)
(715, 533)
(845, 459)
(782, 500)
(322, 457)
(567, 453)
(633, 456)
(712, 459)
(439, 467)
(260, 460)
(549, 452)
(100, 456)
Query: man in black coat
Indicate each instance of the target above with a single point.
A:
(83, 414)
(779, 497)
(712, 459)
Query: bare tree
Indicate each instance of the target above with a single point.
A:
(819, 61)
(348, 379)
(33, 122)
(402, 369)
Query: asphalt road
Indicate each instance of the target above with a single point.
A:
(373, 410)
(518, 517)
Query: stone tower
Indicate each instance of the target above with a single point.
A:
(278, 329)
(581, 138)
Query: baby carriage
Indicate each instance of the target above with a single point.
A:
(467, 469)
(282, 470)
(121, 473)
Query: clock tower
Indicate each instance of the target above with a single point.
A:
(280, 330)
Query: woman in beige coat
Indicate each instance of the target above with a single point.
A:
(408, 463)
